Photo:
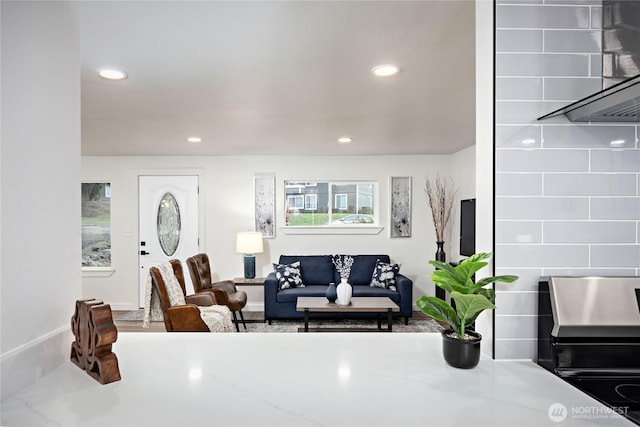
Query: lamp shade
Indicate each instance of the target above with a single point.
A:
(249, 242)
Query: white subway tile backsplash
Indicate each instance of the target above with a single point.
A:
(573, 2)
(589, 184)
(520, 256)
(570, 89)
(615, 208)
(519, 232)
(524, 16)
(596, 17)
(583, 136)
(542, 160)
(532, 208)
(519, 41)
(518, 136)
(527, 111)
(589, 272)
(519, 2)
(542, 64)
(519, 88)
(615, 160)
(527, 279)
(574, 41)
(587, 219)
(518, 184)
(516, 303)
(516, 348)
(589, 232)
(596, 65)
(615, 256)
(514, 326)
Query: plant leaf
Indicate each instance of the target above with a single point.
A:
(480, 256)
(468, 306)
(504, 279)
(439, 310)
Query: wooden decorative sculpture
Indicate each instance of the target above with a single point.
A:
(92, 325)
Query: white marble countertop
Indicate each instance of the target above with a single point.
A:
(322, 379)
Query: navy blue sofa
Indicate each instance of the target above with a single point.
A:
(318, 271)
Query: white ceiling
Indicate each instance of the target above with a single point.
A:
(277, 77)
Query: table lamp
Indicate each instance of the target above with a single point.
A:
(249, 243)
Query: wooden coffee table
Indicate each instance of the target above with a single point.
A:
(374, 305)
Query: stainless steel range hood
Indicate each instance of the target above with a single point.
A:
(619, 101)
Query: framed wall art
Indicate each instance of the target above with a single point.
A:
(400, 214)
(264, 188)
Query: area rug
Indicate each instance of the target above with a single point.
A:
(415, 325)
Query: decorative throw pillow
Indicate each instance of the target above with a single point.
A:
(288, 275)
(384, 275)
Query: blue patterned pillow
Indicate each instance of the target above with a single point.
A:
(384, 275)
(288, 275)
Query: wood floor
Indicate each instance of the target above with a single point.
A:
(249, 316)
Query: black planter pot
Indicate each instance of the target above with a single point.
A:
(464, 354)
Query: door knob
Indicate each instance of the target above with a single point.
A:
(144, 253)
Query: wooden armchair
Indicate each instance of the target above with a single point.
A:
(226, 292)
(181, 318)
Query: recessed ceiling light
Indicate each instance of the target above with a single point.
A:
(528, 141)
(617, 142)
(385, 70)
(194, 139)
(112, 74)
(345, 140)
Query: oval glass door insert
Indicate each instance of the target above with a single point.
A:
(169, 224)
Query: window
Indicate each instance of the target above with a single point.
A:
(311, 202)
(295, 202)
(330, 204)
(96, 225)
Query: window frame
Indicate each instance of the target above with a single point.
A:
(103, 270)
(325, 205)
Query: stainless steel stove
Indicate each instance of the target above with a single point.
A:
(589, 335)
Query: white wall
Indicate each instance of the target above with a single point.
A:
(40, 197)
(463, 173)
(484, 154)
(227, 191)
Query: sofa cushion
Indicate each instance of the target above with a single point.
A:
(315, 269)
(362, 269)
(288, 275)
(384, 275)
(292, 294)
(368, 291)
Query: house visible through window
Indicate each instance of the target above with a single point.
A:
(330, 203)
(96, 225)
(311, 202)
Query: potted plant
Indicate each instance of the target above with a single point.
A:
(461, 345)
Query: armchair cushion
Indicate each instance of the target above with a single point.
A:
(174, 290)
(384, 275)
(288, 275)
(202, 299)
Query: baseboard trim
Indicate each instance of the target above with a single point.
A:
(26, 363)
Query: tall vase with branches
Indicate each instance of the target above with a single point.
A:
(440, 193)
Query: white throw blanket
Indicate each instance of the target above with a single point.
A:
(216, 317)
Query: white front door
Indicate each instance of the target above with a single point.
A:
(168, 223)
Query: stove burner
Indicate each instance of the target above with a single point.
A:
(630, 392)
